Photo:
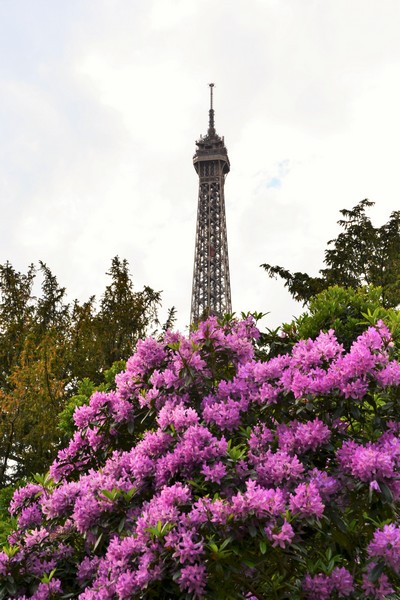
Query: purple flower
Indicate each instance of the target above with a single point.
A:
(36, 537)
(148, 492)
(62, 500)
(126, 585)
(227, 414)
(214, 473)
(327, 485)
(386, 544)
(178, 415)
(195, 446)
(47, 591)
(86, 512)
(379, 590)
(23, 497)
(277, 467)
(30, 516)
(281, 538)
(368, 463)
(258, 501)
(306, 501)
(342, 582)
(187, 545)
(4, 564)
(87, 569)
(193, 580)
(260, 438)
(318, 587)
(374, 486)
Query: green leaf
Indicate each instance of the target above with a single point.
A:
(225, 543)
(47, 578)
(110, 494)
(98, 541)
(253, 531)
(121, 525)
(263, 547)
(386, 492)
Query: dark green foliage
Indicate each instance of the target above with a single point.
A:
(361, 255)
(86, 388)
(124, 314)
(47, 346)
(100, 336)
(6, 522)
(16, 312)
(346, 310)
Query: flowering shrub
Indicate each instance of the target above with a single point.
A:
(209, 474)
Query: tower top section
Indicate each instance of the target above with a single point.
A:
(211, 146)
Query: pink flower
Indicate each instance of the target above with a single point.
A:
(283, 538)
(318, 587)
(45, 591)
(378, 590)
(4, 564)
(214, 473)
(277, 467)
(342, 582)
(259, 501)
(178, 415)
(138, 469)
(193, 580)
(187, 545)
(386, 544)
(306, 501)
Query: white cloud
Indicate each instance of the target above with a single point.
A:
(101, 105)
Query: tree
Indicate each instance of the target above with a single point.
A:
(209, 474)
(361, 255)
(48, 345)
(101, 336)
(124, 315)
(29, 410)
(349, 312)
(16, 311)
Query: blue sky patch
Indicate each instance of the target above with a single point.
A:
(274, 182)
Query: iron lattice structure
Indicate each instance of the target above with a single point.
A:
(211, 289)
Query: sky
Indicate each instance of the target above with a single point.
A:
(101, 102)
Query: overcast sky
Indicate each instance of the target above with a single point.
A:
(101, 102)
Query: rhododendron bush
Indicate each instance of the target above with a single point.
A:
(209, 474)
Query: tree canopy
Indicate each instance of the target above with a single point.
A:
(48, 345)
(361, 255)
(347, 311)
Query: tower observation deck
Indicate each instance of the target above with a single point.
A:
(211, 289)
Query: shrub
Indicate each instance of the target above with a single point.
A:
(209, 474)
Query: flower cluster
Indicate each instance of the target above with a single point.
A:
(320, 587)
(207, 469)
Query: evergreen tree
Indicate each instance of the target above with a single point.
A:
(361, 255)
(47, 346)
(124, 314)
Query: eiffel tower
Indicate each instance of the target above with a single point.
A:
(211, 289)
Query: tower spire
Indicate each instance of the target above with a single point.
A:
(211, 289)
(211, 127)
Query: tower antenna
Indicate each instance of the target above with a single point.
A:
(211, 126)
